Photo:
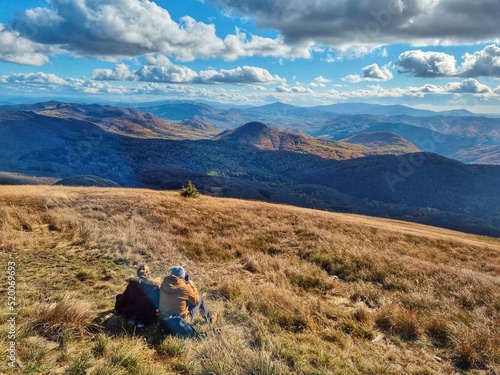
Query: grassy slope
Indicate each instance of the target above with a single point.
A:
(297, 291)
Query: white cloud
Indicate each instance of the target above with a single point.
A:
(126, 28)
(352, 78)
(14, 48)
(239, 75)
(438, 64)
(370, 73)
(119, 73)
(482, 63)
(468, 86)
(375, 73)
(33, 79)
(167, 74)
(427, 64)
(294, 89)
(319, 81)
(162, 70)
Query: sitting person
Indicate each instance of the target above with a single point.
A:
(180, 298)
(139, 302)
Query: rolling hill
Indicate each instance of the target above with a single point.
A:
(297, 291)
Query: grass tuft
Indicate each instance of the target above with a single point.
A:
(59, 321)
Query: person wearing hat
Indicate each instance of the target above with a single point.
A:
(139, 302)
(179, 297)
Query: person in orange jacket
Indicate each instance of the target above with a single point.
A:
(179, 297)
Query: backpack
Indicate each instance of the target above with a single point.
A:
(177, 326)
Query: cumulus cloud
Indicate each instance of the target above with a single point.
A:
(119, 73)
(375, 73)
(17, 49)
(125, 28)
(319, 81)
(468, 86)
(239, 75)
(33, 79)
(161, 69)
(294, 89)
(482, 63)
(427, 64)
(438, 64)
(370, 73)
(352, 78)
(345, 23)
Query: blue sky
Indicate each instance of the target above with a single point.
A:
(435, 54)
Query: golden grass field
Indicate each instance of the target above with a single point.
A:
(297, 291)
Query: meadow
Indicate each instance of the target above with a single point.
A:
(297, 291)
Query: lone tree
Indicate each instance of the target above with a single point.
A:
(190, 191)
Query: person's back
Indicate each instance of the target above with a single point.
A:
(176, 296)
(139, 301)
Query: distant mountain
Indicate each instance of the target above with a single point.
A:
(118, 120)
(263, 137)
(178, 110)
(467, 137)
(383, 142)
(421, 187)
(365, 109)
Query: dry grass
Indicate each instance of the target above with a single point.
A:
(297, 291)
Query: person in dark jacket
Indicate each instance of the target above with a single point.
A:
(139, 302)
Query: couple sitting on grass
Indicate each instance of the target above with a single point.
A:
(145, 300)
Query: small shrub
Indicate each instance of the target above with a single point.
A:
(189, 191)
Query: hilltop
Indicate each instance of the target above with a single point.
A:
(298, 291)
(268, 138)
(381, 142)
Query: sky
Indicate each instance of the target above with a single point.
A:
(432, 54)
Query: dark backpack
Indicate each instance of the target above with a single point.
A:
(177, 326)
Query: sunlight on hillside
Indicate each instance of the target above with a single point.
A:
(297, 291)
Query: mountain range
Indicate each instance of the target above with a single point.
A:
(456, 134)
(378, 173)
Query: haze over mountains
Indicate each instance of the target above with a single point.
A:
(311, 157)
